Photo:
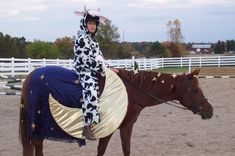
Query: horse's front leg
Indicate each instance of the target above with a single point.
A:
(38, 144)
(125, 133)
(103, 143)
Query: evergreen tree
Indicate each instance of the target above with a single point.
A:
(12, 47)
(230, 45)
(219, 47)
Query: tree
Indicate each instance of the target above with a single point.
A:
(126, 50)
(230, 45)
(12, 47)
(107, 32)
(176, 48)
(176, 38)
(174, 31)
(8, 47)
(39, 49)
(219, 47)
(157, 50)
(21, 45)
(65, 46)
(108, 38)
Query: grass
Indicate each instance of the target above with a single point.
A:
(229, 70)
(177, 70)
(213, 71)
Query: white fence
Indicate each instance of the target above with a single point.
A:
(15, 66)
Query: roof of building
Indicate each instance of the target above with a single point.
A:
(201, 46)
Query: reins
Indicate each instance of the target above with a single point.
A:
(152, 96)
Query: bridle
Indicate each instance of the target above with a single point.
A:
(195, 107)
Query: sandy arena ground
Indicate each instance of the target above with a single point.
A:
(160, 130)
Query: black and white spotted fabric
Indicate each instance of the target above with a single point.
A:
(88, 63)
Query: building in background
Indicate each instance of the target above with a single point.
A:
(202, 48)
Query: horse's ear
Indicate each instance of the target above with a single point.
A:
(197, 71)
(193, 74)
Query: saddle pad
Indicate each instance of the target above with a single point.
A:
(113, 107)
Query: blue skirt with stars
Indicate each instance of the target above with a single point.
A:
(64, 86)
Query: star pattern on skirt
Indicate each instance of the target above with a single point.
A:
(77, 81)
(33, 126)
(42, 77)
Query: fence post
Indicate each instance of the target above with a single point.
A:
(200, 61)
(12, 67)
(189, 65)
(218, 61)
(162, 62)
(181, 62)
(57, 62)
(30, 67)
(70, 63)
(133, 63)
(43, 62)
(145, 64)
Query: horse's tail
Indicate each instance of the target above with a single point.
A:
(24, 133)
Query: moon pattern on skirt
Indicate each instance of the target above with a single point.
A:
(113, 104)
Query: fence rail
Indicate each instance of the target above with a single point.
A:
(16, 66)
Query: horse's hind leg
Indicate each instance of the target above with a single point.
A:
(38, 144)
(103, 143)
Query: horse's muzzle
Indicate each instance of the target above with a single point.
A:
(207, 113)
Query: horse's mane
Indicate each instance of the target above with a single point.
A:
(161, 84)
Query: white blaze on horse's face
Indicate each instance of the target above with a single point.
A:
(193, 97)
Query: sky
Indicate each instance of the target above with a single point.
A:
(138, 20)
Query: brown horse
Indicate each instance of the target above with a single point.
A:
(144, 89)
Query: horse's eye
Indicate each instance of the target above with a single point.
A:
(195, 91)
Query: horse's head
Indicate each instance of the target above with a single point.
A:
(192, 97)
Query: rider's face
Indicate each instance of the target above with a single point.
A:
(91, 26)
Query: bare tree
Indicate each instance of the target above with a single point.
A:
(174, 31)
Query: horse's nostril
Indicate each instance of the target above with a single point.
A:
(211, 112)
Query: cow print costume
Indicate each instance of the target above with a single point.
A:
(88, 63)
